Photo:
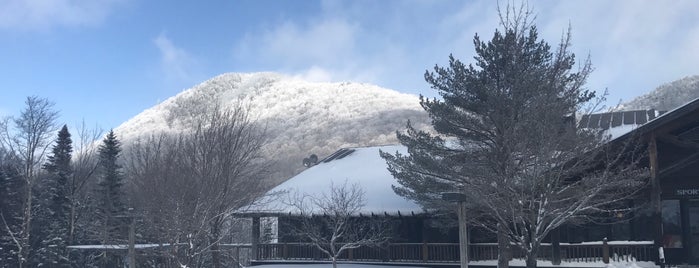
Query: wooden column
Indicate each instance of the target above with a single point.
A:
(503, 248)
(255, 236)
(463, 235)
(285, 251)
(132, 241)
(605, 251)
(556, 246)
(237, 257)
(655, 203)
(423, 231)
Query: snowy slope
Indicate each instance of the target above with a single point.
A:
(302, 118)
(667, 96)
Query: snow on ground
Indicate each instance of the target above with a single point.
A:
(612, 264)
(640, 264)
(118, 247)
(327, 265)
(513, 263)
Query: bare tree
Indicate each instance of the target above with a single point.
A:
(332, 221)
(187, 186)
(29, 136)
(84, 164)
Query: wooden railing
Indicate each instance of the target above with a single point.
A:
(449, 252)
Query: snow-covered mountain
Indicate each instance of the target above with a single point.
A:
(667, 96)
(302, 118)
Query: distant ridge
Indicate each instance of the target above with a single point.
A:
(667, 96)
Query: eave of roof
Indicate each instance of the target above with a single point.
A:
(661, 120)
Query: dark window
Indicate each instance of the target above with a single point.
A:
(642, 228)
(597, 232)
(621, 231)
(672, 224)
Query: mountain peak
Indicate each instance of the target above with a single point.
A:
(301, 117)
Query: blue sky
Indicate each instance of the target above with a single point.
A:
(104, 61)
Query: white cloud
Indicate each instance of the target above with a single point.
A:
(45, 14)
(327, 50)
(315, 74)
(634, 46)
(176, 63)
(292, 44)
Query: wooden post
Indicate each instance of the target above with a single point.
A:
(504, 255)
(350, 254)
(463, 235)
(285, 251)
(132, 241)
(237, 257)
(460, 198)
(425, 252)
(425, 248)
(605, 251)
(556, 246)
(655, 194)
(255, 243)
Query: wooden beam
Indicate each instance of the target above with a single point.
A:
(689, 160)
(463, 235)
(255, 234)
(674, 140)
(655, 192)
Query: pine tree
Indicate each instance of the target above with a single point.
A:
(507, 140)
(111, 207)
(11, 188)
(54, 204)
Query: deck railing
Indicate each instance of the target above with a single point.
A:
(449, 252)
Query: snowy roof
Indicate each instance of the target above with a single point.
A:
(662, 119)
(362, 166)
(117, 246)
(617, 123)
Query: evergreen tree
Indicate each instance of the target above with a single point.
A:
(11, 188)
(111, 207)
(54, 204)
(507, 140)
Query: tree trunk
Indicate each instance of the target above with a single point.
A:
(104, 241)
(531, 258)
(503, 248)
(215, 253)
(334, 262)
(26, 225)
(71, 233)
(19, 260)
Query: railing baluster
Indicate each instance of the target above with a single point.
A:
(449, 252)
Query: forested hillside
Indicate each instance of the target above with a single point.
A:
(667, 96)
(301, 118)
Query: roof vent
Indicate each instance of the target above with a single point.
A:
(338, 155)
(614, 119)
(310, 161)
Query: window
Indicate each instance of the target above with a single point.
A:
(672, 224)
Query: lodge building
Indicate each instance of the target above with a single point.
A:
(670, 220)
